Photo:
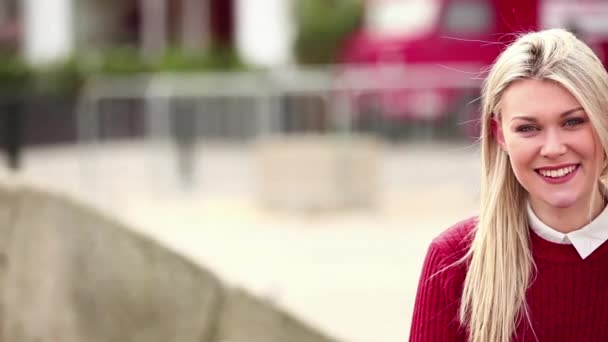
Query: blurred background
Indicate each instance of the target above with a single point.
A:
(307, 150)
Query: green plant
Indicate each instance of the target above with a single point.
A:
(121, 61)
(15, 74)
(67, 77)
(215, 58)
(63, 78)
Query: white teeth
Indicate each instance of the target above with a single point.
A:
(557, 173)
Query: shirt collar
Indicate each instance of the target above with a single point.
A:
(585, 240)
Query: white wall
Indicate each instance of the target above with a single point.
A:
(264, 31)
(48, 32)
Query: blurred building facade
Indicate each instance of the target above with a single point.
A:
(151, 25)
(47, 31)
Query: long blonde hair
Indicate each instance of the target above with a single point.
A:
(500, 262)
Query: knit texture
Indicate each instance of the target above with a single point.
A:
(568, 296)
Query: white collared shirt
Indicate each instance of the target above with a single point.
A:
(585, 240)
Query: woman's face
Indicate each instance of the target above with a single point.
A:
(552, 145)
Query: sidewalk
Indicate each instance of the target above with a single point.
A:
(351, 274)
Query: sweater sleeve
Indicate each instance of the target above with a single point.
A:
(435, 315)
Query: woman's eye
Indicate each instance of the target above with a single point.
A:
(574, 121)
(526, 128)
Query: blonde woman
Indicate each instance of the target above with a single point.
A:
(534, 265)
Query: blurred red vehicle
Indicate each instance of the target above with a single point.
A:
(439, 50)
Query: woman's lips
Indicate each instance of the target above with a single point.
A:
(558, 174)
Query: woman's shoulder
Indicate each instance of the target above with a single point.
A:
(456, 240)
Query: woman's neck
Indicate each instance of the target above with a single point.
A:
(566, 220)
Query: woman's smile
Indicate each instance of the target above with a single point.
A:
(558, 174)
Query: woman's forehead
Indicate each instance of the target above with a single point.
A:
(537, 99)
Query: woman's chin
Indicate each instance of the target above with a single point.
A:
(561, 202)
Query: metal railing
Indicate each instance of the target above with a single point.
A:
(252, 104)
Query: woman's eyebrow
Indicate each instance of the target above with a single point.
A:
(532, 119)
(568, 112)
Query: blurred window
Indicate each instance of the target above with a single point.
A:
(391, 17)
(467, 17)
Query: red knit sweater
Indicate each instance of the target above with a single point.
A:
(568, 297)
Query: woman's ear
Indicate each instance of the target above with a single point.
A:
(498, 133)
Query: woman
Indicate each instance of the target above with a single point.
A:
(534, 265)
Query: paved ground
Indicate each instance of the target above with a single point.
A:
(352, 274)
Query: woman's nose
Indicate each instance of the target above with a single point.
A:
(553, 145)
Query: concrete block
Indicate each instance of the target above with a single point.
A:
(310, 172)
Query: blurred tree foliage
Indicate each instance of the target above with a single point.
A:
(322, 27)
